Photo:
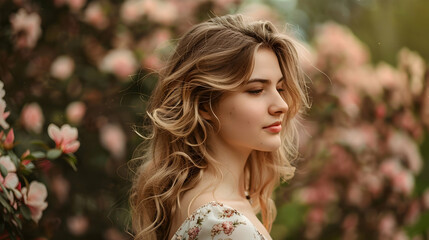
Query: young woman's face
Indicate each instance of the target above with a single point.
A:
(245, 114)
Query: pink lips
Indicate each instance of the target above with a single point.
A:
(275, 127)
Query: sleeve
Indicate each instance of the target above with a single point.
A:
(222, 227)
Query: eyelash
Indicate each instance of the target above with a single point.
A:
(256, 92)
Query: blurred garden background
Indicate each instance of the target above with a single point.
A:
(88, 66)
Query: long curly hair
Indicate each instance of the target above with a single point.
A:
(212, 58)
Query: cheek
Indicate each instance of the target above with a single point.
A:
(244, 116)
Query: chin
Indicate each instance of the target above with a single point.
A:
(270, 147)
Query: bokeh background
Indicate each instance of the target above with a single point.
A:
(363, 171)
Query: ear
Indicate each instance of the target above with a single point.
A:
(204, 112)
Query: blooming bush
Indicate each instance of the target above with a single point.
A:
(361, 158)
(77, 62)
(22, 196)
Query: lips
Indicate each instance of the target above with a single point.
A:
(274, 124)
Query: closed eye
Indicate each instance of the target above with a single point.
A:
(255, 92)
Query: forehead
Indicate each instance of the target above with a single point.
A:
(266, 65)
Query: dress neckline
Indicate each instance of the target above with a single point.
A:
(216, 204)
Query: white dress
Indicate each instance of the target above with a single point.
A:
(217, 221)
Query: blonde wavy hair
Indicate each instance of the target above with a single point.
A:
(212, 58)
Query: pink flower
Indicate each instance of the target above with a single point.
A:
(387, 225)
(166, 13)
(60, 186)
(401, 235)
(11, 180)
(394, 81)
(390, 168)
(113, 139)
(339, 46)
(193, 233)
(62, 67)
(152, 62)
(216, 229)
(35, 198)
(78, 224)
(316, 215)
(7, 163)
(411, 62)
(121, 62)
(259, 11)
(94, 15)
(404, 146)
(32, 118)
(3, 114)
(373, 182)
(64, 138)
(76, 5)
(227, 213)
(10, 138)
(26, 27)
(75, 112)
(355, 196)
(228, 227)
(350, 222)
(322, 192)
(224, 3)
(131, 11)
(403, 182)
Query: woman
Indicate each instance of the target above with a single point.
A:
(223, 133)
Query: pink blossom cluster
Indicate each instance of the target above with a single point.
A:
(363, 155)
(34, 196)
(26, 28)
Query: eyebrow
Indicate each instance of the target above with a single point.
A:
(264, 81)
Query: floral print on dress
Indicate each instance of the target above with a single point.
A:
(217, 221)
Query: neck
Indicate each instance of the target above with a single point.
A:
(232, 161)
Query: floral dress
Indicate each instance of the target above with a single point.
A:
(219, 222)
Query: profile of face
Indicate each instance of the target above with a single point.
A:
(245, 114)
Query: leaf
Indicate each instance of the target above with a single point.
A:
(17, 221)
(13, 157)
(30, 166)
(29, 157)
(3, 171)
(40, 143)
(54, 153)
(38, 154)
(71, 161)
(5, 204)
(25, 211)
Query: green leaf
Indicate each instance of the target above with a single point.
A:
(39, 154)
(13, 157)
(17, 221)
(30, 166)
(54, 153)
(29, 157)
(71, 161)
(3, 171)
(25, 211)
(5, 204)
(41, 144)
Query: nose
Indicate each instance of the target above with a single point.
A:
(278, 105)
